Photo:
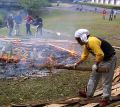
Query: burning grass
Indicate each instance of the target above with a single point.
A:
(63, 84)
(30, 57)
(45, 89)
(23, 90)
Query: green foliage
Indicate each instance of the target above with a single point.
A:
(1, 18)
(33, 4)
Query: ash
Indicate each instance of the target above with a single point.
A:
(35, 57)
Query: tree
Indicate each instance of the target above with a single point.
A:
(33, 4)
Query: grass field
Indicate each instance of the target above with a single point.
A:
(67, 22)
(67, 83)
(52, 88)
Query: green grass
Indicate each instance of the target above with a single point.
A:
(4, 31)
(68, 22)
(1, 17)
(58, 86)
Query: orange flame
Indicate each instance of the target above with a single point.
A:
(50, 61)
(72, 52)
(23, 60)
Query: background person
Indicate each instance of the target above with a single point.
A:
(10, 25)
(18, 22)
(104, 56)
(104, 12)
(58, 3)
(111, 15)
(95, 9)
(114, 14)
(29, 20)
(39, 23)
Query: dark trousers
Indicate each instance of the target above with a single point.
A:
(111, 17)
(39, 30)
(28, 31)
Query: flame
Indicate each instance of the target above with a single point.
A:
(24, 55)
(4, 57)
(50, 61)
(23, 60)
(15, 58)
(9, 58)
(72, 52)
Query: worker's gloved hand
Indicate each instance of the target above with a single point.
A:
(75, 65)
(69, 65)
(94, 67)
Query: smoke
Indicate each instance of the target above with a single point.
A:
(34, 56)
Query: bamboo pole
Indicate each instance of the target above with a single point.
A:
(80, 68)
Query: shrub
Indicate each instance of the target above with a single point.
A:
(1, 19)
(34, 4)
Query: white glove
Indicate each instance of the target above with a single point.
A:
(70, 65)
(75, 65)
(94, 67)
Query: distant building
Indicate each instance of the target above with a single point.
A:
(110, 2)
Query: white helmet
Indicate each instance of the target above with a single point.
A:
(82, 34)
